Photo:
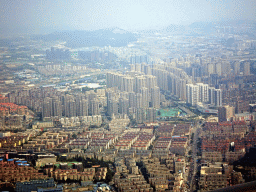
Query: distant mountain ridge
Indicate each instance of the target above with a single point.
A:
(114, 37)
(202, 27)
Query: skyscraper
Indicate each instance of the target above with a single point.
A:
(47, 107)
(138, 67)
(218, 97)
(237, 68)
(132, 100)
(247, 68)
(192, 94)
(138, 98)
(151, 81)
(128, 84)
(203, 92)
(140, 115)
(145, 97)
(211, 95)
(83, 108)
(211, 68)
(222, 114)
(94, 107)
(57, 107)
(112, 104)
(218, 68)
(140, 82)
(151, 114)
(72, 109)
(155, 97)
(123, 106)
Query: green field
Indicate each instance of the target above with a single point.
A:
(170, 112)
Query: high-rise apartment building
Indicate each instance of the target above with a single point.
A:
(132, 100)
(83, 108)
(138, 67)
(155, 97)
(192, 94)
(218, 68)
(215, 96)
(57, 107)
(151, 81)
(138, 99)
(140, 115)
(112, 107)
(151, 114)
(47, 107)
(147, 70)
(123, 106)
(211, 95)
(226, 68)
(226, 113)
(211, 68)
(94, 107)
(222, 114)
(247, 68)
(72, 108)
(214, 79)
(128, 84)
(140, 82)
(132, 67)
(145, 97)
(203, 92)
(237, 68)
(218, 97)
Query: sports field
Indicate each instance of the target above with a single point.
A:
(170, 112)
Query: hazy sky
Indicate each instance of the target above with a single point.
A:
(41, 15)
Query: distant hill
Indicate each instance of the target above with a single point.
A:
(176, 28)
(114, 37)
(239, 27)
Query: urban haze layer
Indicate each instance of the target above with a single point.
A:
(113, 110)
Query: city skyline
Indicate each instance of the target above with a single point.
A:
(125, 109)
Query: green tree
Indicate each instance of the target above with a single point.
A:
(74, 136)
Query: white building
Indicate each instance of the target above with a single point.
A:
(192, 94)
(203, 92)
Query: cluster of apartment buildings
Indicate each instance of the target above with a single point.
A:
(47, 140)
(8, 141)
(217, 175)
(118, 123)
(135, 141)
(11, 115)
(57, 69)
(128, 176)
(23, 177)
(81, 120)
(134, 94)
(205, 92)
(87, 174)
(102, 144)
(222, 144)
(140, 88)
(53, 103)
(202, 93)
(11, 108)
(16, 170)
(96, 141)
(166, 174)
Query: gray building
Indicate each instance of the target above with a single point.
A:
(34, 185)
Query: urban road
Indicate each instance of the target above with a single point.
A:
(194, 166)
